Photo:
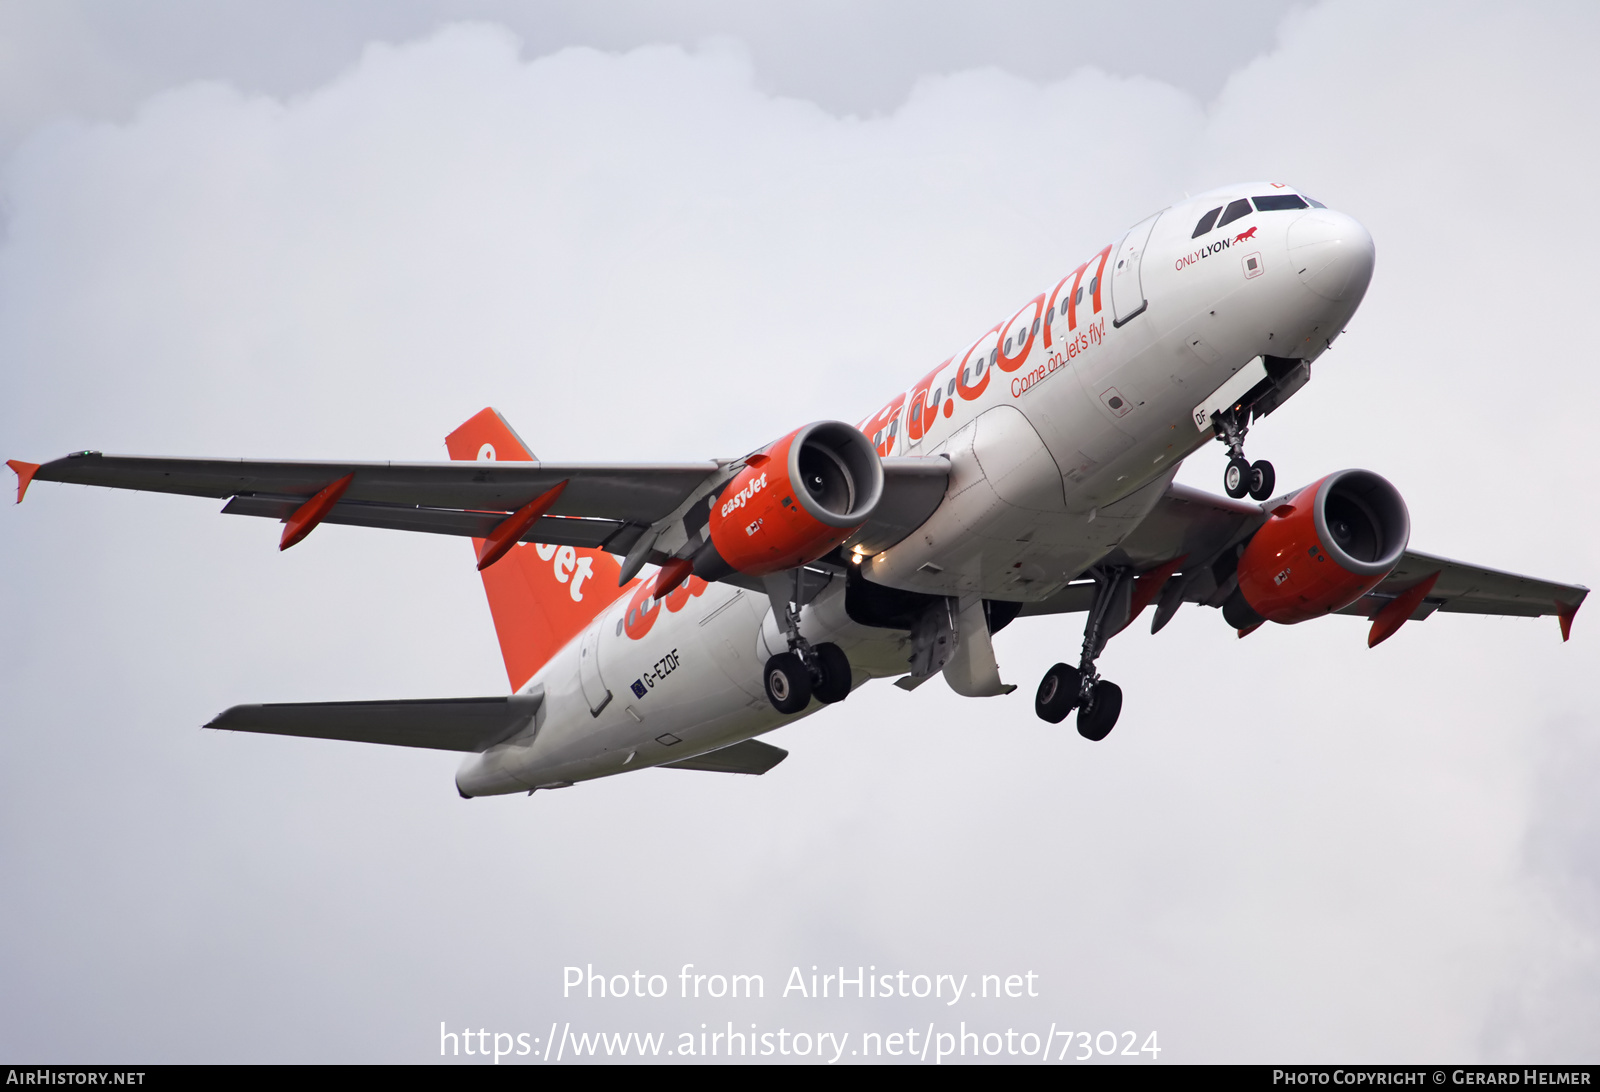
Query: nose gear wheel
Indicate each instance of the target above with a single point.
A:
(1241, 476)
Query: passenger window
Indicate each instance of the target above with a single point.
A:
(1278, 202)
(1207, 222)
(1236, 209)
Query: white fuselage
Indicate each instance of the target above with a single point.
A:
(1064, 426)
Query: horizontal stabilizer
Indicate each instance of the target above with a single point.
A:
(750, 757)
(445, 724)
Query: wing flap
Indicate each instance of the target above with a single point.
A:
(444, 724)
(555, 530)
(749, 757)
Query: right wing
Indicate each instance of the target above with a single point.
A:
(605, 505)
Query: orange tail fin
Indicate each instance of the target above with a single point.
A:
(541, 596)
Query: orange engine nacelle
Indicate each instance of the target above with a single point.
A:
(1322, 549)
(793, 502)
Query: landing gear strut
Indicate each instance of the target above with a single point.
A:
(822, 671)
(1065, 688)
(1242, 476)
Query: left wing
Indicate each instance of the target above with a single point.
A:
(1202, 530)
(1460, 588)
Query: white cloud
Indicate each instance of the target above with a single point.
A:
(1292, 847)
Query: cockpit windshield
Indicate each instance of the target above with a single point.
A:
(1273, 202)
(1207, 222)
(1235, 210)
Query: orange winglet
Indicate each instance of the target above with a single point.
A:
(1399, 609)
(1566, 612)
(25, 473)
(1147, 586)
(672, 574)
(509, 531)
(312, 512)
(1248, 630)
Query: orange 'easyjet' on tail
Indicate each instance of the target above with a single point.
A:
(541, 596)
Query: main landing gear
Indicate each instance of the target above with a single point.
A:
(806, 671)
(1242, 476)
(791, 682)
(1065, 688)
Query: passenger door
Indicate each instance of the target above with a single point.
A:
(594, 687)
(1127, 288)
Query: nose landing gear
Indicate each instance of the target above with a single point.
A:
(1242, 476)
(1065, 688)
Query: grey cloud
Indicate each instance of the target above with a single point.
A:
(97, 59)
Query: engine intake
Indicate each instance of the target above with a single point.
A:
(1325, 547)
(794, 501)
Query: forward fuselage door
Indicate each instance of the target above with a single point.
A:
(594, 687)
(1127, 289)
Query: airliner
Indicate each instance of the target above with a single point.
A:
(669, 614)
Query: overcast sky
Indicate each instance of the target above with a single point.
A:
(665, 231)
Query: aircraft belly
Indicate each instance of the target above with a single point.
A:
(725, 637)
(1003, 482)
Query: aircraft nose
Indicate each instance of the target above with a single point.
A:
(1332, 253)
